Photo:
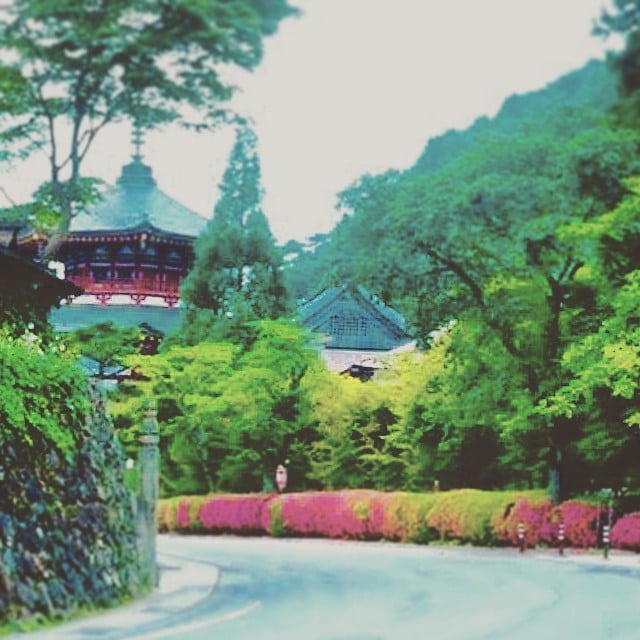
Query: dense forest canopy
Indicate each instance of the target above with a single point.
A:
(518, 240)
(512, 249)
(523, 230)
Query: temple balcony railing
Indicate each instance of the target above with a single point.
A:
(144, 286)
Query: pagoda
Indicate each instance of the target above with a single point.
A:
(129, 253)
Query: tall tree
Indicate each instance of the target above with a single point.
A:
(238, 268)
(70, 69)
(623, 20)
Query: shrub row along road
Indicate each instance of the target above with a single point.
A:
(325, 590)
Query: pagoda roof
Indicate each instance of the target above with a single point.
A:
(135, 202)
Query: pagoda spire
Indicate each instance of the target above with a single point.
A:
(137, 139)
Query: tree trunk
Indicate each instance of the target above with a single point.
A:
(555, 474)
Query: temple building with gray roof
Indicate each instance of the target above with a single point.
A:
(130, 253)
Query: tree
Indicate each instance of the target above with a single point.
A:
(228, 413)
(106, 344)
(483, 240)
(238, 271)
(71, 69)
(624, 20)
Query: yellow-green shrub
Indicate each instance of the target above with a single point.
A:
(467, 515)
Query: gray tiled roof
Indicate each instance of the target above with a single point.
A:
(385, 326)
(136, 201)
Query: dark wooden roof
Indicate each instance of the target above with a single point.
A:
(28, 287)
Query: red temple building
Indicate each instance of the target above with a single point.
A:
(129, 253)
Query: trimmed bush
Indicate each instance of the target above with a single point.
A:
(402, 516)
(580, 523)
(533, 512)
(465, 515)
(326, 514)
(167, 515)
(468, 515)
(626, 532)
(235, 513)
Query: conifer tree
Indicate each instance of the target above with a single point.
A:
(238, 266)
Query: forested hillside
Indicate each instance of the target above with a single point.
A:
(522, 236)
(563, 107)
(518, 241)
(566, 109)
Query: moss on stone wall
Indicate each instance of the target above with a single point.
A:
(67, 530)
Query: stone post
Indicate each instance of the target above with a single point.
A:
(148, 462)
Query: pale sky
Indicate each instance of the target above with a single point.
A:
(359, 86)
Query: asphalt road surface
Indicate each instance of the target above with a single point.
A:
(324, 590)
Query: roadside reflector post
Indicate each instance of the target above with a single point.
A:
(606, 540)
(561, 538)
(521, 536)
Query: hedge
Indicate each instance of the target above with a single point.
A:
(464, 516)
(626, 532)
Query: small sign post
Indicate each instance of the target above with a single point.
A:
(281, 478)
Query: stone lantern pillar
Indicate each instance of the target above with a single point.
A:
(149, 466)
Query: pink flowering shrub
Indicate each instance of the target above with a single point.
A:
(236, 513)
(326, 514)
(531, 512)
(626, 532)
(183, 517)
(464, 515)
(580, 523)
(541, 519)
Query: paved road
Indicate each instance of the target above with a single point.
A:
(262, 589)
(321, 590)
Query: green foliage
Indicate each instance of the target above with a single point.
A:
(518, 238)
(228, 413)
(106, 344)
(43, 395)
(353, 421)
(238, 267)
(623, 20)
(515, 257)
(66, 518)
(71, 70)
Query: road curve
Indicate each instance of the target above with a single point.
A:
(327, 590)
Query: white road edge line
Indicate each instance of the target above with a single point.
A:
(233, 615)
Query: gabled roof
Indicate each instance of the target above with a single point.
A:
(384, 328)
(135, 201)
